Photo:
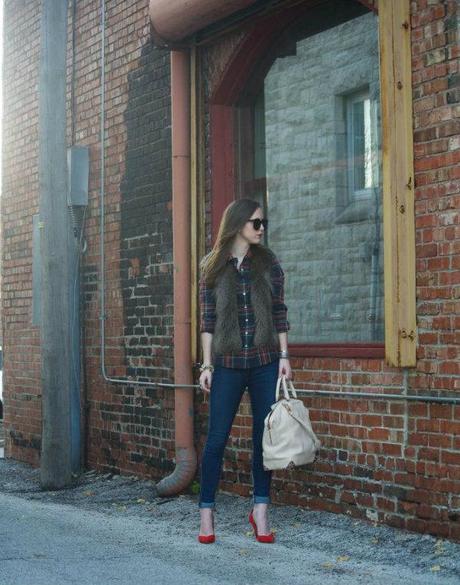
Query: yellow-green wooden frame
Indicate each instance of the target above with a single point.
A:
(398, 183)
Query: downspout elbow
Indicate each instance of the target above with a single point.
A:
(182, 475)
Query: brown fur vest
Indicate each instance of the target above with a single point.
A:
(227, 337)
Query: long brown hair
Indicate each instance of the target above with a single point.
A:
(234, 218)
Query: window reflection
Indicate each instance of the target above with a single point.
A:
(310, 153)
(360, 147)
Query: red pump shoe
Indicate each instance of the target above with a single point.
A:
(267, 538)
(209, 539)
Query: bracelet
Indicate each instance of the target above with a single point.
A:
(209, 367)
(284, 354)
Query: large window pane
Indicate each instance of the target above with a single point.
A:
(316, 130)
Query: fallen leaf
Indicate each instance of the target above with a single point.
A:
(435, 568)
(343, 558)
(327, 565)
(439, 547)
(88, 493)
(140, 501)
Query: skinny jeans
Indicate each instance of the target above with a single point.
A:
(227, 388)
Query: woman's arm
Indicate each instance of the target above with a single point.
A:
(206, 341)
(285, 366)
(207, 325)
(279, 311)
(283, 341)
(206, 375)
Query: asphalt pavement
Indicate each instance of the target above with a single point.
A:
(110, 529)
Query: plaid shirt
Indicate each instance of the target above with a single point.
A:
(250, 356)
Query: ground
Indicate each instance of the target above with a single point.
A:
(2, 440)
(111, 529)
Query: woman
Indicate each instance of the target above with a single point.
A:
(244, 341)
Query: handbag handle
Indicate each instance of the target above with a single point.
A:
(278, 386)
(287, 386)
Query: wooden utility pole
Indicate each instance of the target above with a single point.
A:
(55, 468)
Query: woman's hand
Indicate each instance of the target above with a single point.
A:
(205, 380)
(285, 369)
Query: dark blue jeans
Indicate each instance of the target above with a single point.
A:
(227, 388)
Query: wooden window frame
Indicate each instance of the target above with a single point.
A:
(252, 58)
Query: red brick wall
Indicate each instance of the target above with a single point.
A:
(21, 374)
(399, 461)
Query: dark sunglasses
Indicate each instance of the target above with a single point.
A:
(257, 223)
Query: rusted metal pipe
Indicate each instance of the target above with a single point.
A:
(180, 114)
(174, 20)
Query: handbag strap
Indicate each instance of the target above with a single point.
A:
(289, 387)
(281, 383)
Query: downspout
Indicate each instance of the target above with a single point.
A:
(181, 196)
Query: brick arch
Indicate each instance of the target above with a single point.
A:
(254, 52)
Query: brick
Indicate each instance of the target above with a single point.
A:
(451, 457)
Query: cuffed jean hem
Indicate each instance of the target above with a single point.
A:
(207, 505)
(261, 499)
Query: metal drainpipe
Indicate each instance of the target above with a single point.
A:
(173, 20)
(180, 122)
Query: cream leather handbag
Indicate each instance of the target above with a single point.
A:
(288, 438)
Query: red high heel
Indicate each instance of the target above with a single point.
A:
(267, 538)
(209, 539)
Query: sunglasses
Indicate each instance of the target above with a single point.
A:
(257, 223)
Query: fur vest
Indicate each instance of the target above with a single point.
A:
(227, 336)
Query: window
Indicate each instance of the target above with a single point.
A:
(233, 100)
(310, 153)
(360, 149)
